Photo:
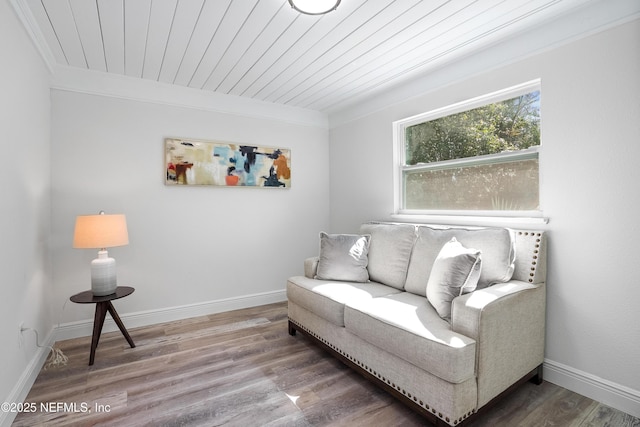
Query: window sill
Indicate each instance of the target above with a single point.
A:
(473, 220)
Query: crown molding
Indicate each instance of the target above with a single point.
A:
(31, 27)
(73, 79)
(79, 80)
(577, 23)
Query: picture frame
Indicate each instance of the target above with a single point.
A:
(225, 164)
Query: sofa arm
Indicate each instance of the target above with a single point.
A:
(311, 267)
(507, 320)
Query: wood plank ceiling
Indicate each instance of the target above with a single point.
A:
(263, 49)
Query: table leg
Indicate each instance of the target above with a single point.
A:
(116, 319)
(98, 322)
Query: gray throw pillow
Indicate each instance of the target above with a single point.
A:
(455, 271)
(343, 257)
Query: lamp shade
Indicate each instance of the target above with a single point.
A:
(100, 231)
(314, 7)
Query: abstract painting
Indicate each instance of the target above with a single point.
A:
(194, 162)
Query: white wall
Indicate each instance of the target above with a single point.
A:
(188, 245)
(25, 263)
(589, 192)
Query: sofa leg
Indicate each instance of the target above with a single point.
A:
(537, 378)
(292, 329)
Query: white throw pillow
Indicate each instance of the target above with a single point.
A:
(343, 257)
(455, 271)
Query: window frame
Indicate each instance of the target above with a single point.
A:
(399, 159)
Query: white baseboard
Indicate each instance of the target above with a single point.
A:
(607, 392)
(131, 320)
(84, 328)
(21, 389)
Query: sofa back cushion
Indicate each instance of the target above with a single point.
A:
(495, 244)
(389, 252)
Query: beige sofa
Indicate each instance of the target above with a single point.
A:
(390, 310)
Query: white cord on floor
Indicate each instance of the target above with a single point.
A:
(56, 357)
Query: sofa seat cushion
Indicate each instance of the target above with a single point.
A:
(407, 326)
(327, 298)
(497, 246)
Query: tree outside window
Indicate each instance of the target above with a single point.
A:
(481, 159)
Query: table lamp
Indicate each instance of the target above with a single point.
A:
(101, 232)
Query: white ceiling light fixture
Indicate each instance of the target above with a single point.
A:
(314, 7)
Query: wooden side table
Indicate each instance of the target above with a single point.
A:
(103, 304)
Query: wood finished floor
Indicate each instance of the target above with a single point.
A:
(241, 368)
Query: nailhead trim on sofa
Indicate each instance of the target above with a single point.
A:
(536, 250)
(378, 376)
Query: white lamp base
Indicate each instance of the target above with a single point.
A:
(103, 274)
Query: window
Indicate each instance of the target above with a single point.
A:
(476, 157)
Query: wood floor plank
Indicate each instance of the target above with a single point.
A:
(242, 368)
(562, 408)
(605, 416)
